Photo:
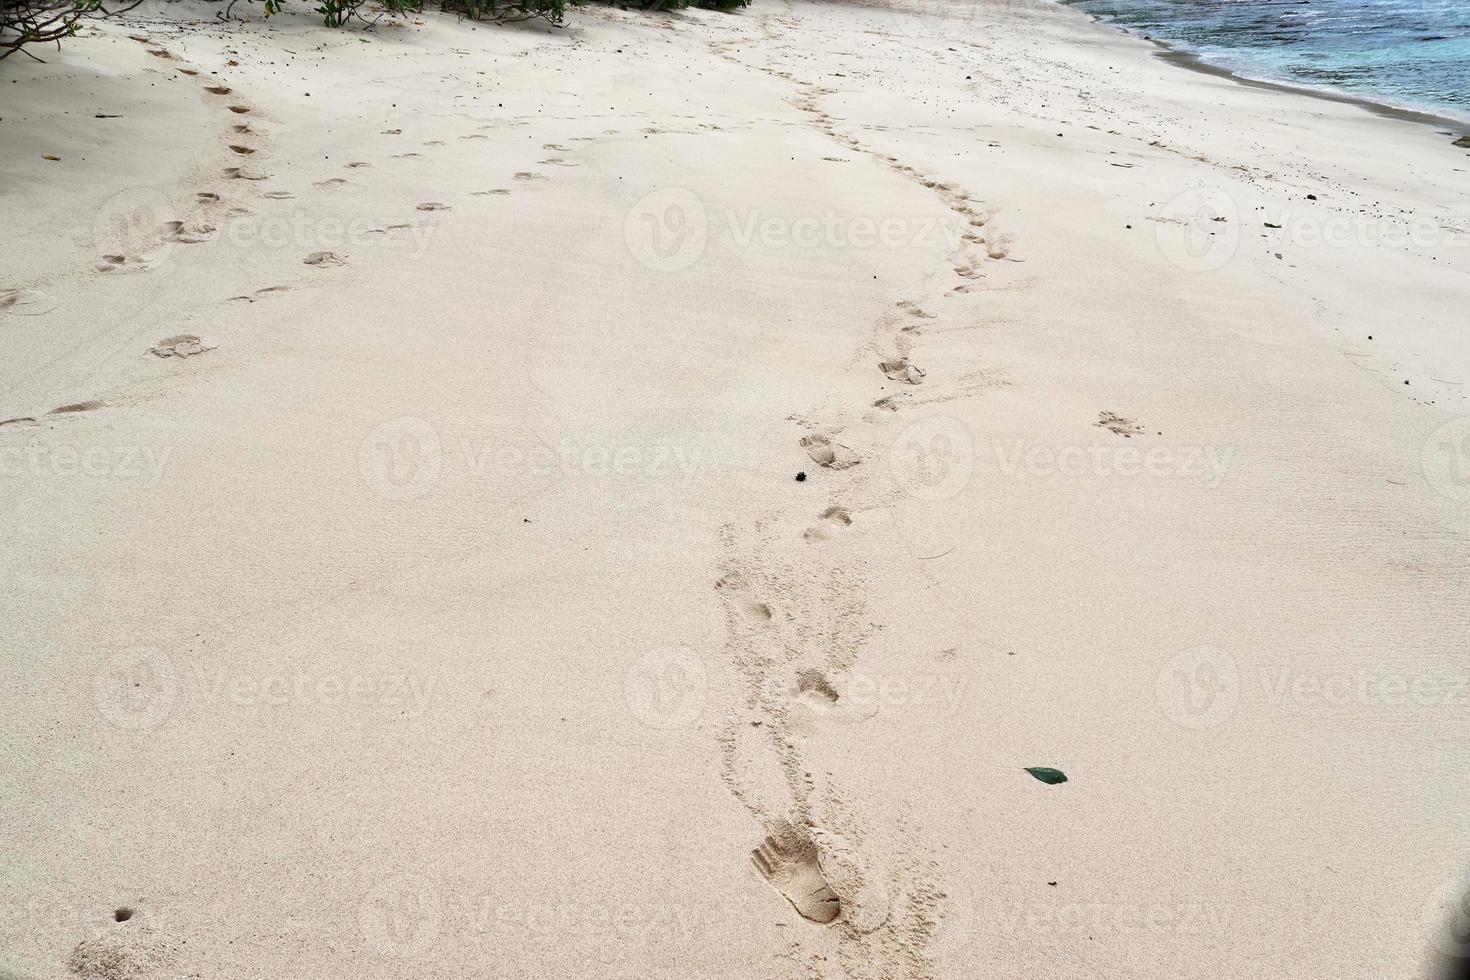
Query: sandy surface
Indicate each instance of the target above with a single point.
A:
(422, 584)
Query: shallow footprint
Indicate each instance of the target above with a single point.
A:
(324, 260)
(902, 370)
(814, 689)
(830, 520)
(528, 175)
(788, 860)
(824, 451)
(183, 345)
(25, 302)
(433, 206)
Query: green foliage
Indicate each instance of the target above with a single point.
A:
(510, 11)
(1047, 774)
(24, 22)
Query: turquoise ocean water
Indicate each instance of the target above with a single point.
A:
(1412, 54)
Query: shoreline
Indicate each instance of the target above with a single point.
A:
(1176, 53)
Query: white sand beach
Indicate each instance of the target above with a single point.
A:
(406, 570)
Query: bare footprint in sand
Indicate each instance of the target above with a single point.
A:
(830, 521)
(183, 345)
(217, 90)
(826, 452)
(433, 206)
(246, 173)
(495, 190)
(239, 108)
(260, 294)
(902, 370)
(242, 150)
(1118, 425)
(324, 260)
(25, 302)
(279, 195)
(90, 405)
(122, 264)
(813, 688)
(528, 175)
(330, 182)
(192, 232)
(788, 860)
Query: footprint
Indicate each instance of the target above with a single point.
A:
(554, 146)
(193, 233)
(404, 156)
(91, 405)
(1117, 424)
(732, 581)
(830, 520)
(242, 128)
(813, 688)
(902, 370)
(324, 260)
(967, 271)
(239, 108)
(912, 309)
(245, 173)
(242, 150)
(160, 53)
(183, 345)
(358, 164)
(758, 612)
(888, 403)
(433, 206)
(122, 264)
(559, 162)
(279, 195)
(788, 860)
(827, 453)
(207, 197)
(25, 302)
(217, 90)
(260, 294)
(497, 190)
(330, 182)
(528, 175)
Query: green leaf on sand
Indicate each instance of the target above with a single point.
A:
(1049, 776)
